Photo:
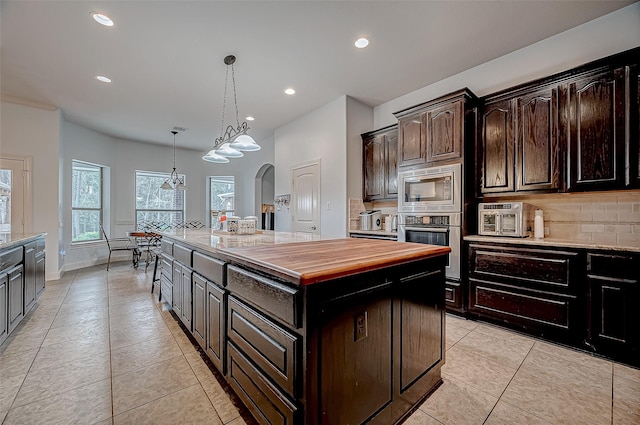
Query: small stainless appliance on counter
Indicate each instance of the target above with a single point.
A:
(371, 220)
(503, 219)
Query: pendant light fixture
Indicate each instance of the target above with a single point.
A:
(174, 182)
(232, 141)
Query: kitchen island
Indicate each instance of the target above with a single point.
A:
(308, 330)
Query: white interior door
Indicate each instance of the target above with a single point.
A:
(305, 194)
(14, 184)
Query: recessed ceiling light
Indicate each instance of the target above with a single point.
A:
(249, 118)
(361, 43)
(102, 19)
(103, 78)
(290, 91)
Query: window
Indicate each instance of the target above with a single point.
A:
(157, 205)
(86, 202)
(221, 195)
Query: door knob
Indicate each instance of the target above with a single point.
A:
(312, 227)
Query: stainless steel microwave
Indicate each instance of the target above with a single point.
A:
(430, 189)
(503, 219)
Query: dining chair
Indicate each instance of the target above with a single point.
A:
(122, 244)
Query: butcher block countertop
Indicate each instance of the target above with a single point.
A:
(302, 259)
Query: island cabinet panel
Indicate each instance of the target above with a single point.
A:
(166, 278)
(267, 404)
(40, 266)
(614, 293)
(29, 276)
(182, 293)
(597, 121)
(497, 170)
(216, 333)
(4, 316)
(199, 309)
(280, 300)
(16, 295)
(534, 289)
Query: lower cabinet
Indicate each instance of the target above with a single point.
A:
(4, 316)
(181, 297)
(587, 299)
(199, 309)
(29, 276)
(15, 296)
(614, 294)
(216, 325)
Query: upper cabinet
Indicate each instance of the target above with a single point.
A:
(596, 110)
(434, 132)
(573, 131)
(379, 160)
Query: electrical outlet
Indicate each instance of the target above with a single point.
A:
(360, 326)
(328, 205)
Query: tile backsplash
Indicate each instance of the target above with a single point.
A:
(608, 217)
(356, 206)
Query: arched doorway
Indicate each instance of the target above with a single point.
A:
(264, 191)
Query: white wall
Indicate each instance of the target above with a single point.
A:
(34, 132)
(604, 36)
(124, 157)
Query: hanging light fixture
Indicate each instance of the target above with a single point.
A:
(232, 141)
(174, 182)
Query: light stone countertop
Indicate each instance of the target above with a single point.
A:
(9, 240)
(215, 240)
(557, 242)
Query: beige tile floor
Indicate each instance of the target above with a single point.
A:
(99, 349)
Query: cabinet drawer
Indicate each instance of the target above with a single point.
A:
(166, 268)
(272, 348)
(263, 399)
(167, 289)
(167, 247)
(209, 267)
(182, 254)
(525, 307)
(618, 266)
(11, 258)
(277, 299)
(453, 295)
(530, 267)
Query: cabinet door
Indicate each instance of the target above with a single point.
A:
(373, 154)
(537, 149)
(412, 143)
(177, 289)
(40, 274)
(596, 106)
(16, 299)
(186, 297)
(497, 169)
(635, 130)
(391, 162)
(216, 326)
(444, 132)
(199, 309)
(4, 323)
(614, 290)
(29, 276)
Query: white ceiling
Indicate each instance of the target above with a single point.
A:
(166, 57)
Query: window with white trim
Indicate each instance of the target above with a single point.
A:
(157, 205)
(86, 201)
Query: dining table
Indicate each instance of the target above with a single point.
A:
(147, 241)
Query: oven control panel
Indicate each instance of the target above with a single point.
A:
(433, 220)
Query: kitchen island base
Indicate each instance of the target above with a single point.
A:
(359, 348)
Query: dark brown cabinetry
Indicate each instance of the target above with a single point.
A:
(29, 276)
(614, 293)
(199, 308)
(435, 131)
(15, 292)
(379, 159)
(216, 325)
(573, 131)
(519, 142)
(597, 114)
(534, 289)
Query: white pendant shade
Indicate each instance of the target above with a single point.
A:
(212, 156)
(166, 185)
(228, 151)
(244, 142)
